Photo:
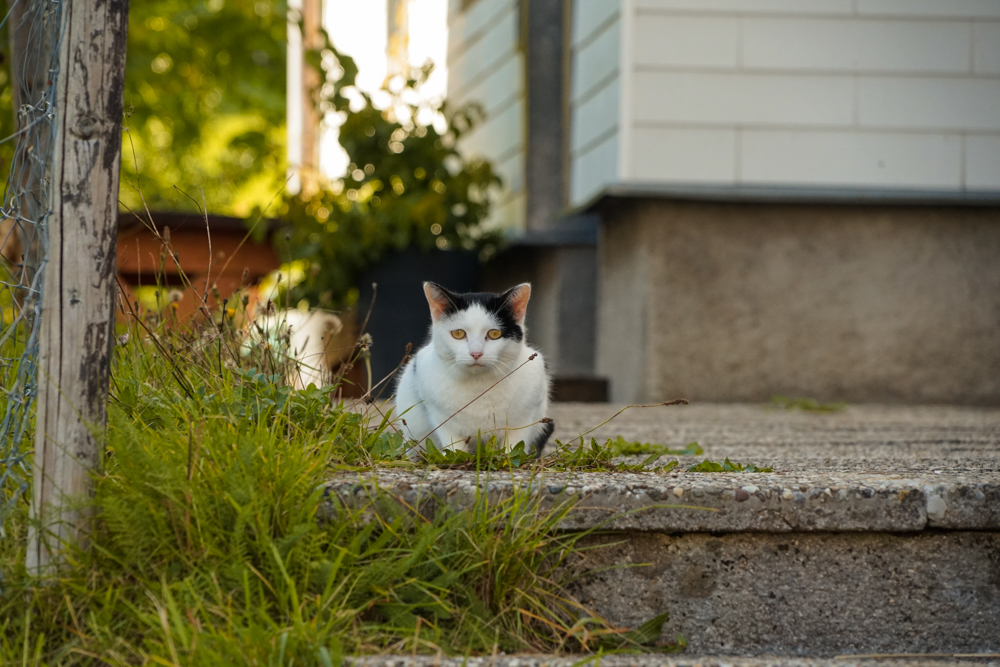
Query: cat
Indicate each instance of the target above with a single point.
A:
(476, 339)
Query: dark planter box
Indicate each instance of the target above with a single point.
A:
(400, 314)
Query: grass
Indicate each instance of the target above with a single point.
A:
(207, 547)
(805, 404)
(726, 466)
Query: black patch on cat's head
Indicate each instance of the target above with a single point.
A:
(497, 304)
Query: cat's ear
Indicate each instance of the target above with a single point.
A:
(439, 299)
(517, 299)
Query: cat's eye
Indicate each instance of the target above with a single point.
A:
(458, 334)
(493, 334)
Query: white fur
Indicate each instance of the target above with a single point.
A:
(444, 376)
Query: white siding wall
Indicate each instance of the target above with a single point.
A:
(852, 93)
(595, 97)
(485, 65)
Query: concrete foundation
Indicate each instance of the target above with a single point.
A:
(742, 301)
(815, 594)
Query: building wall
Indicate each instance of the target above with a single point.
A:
(831, 93)
(739, 302)
(486, 65)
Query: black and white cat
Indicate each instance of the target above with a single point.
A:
(476, 339)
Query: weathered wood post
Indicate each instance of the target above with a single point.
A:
(77, 328)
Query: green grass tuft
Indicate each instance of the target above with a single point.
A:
(726, 466)
(805, 404)
(207, 547)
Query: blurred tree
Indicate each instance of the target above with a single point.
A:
(205, 119)
(205, 104)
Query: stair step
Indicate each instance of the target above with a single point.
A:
(783, 501)
(682, 660)
(878, 531)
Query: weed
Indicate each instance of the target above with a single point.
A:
(726, 466)
(621, 447)
(805, 404)
(574, 456)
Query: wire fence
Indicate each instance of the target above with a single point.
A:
(33, 27)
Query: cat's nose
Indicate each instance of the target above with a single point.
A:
(475, 355)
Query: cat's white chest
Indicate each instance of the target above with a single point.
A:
(484, 402)
(457, 406)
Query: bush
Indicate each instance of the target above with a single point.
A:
(407, 185)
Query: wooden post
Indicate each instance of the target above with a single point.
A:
(304, 80)
(312, 21)
(397, 49)
(77, 328)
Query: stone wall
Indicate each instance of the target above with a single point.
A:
(741, 301)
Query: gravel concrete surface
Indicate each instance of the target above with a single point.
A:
(764, 434)
(867, 468)
(672, 661)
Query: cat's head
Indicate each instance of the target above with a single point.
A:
(478, 331)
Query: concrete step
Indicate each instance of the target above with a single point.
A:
(877, 532)
(684, 660)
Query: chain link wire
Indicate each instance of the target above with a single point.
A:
(34, 40)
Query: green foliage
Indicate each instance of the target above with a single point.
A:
(407, 186)
(205, 127)
(621, 447)
(575, 456)
(205, 104)
(204, 100)
(209, 546)
(726, 466)
(578, 456)
(805, 404)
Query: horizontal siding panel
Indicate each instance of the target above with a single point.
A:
(929, 103)
(751, 6)
(499, 136)
(859, 45)
(683, 155)
(511, 171)
(589, 15)
(594, 170)
(464, 27)
(596, 61)
(686, 40)
(671, 97)
(595, 117)
(494, 47)
(949, 8)
(982, 162)
(987, 47)
(497, 90)
(852, 159)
